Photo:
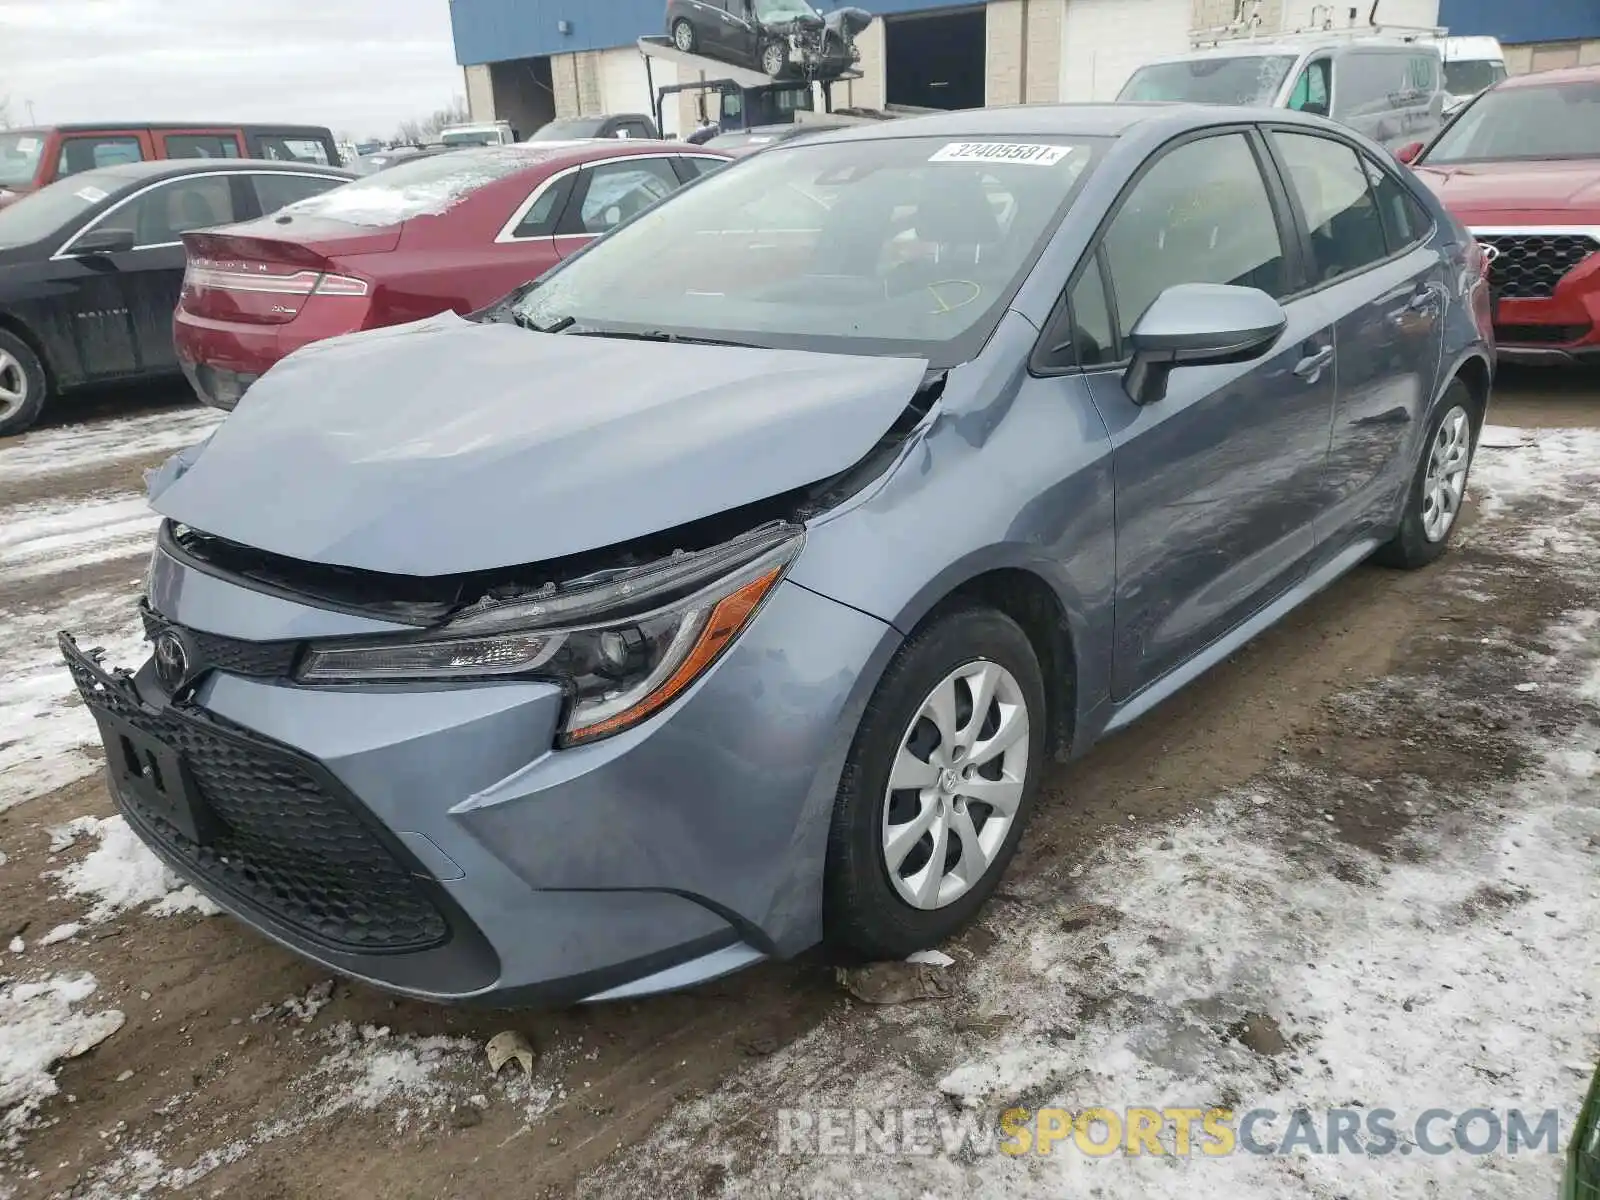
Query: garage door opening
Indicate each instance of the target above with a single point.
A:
(937, 60)
(523, 93)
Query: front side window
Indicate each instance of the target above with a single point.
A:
(1543, 121)
(620, 191)
(892, 246)
(1200, 215)
(163, 214)
(1311, 89)
(79, 154)
(1330, 182)
(1216, 79)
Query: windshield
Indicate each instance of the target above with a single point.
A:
(42, 214)
(744, 139)
(784, 10)
(1470, 76)
(471, 137)
(1558, 120)
(1249, 80)
(911, 246)
(569, 127)
(19, 158)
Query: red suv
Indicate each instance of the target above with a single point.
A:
(450, 232)
(1520, 167)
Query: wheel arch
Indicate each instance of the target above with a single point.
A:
(19, 329)
(1474, 371)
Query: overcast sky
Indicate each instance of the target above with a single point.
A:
(358, 66)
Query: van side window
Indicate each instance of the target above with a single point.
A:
(1311, 89)
(1365, 82)
(88, 153)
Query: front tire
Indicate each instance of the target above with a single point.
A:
(24, 386)
(1439, 485)
(774, 59)
(683, 36)
(938, 786)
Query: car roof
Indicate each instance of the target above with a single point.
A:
(187, 126)
(1057, 120)
(1589, 74)
(162, 168)
(1294, 47)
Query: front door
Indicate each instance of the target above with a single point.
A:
(1371, 258)
(1218, 485)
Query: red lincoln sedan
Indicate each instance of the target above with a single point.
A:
(452, 231)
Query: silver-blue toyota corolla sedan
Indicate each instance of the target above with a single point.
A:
(729, 589)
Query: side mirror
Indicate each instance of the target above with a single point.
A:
(1317, 108)
(103, 241)
(1196, 324)
(1409, 152)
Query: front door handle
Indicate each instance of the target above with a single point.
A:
(1310, 367)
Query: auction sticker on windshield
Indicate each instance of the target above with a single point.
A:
(1014, 152)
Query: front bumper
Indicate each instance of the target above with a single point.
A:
(1546, 312)
(429, 840)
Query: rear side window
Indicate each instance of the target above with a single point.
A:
(693, 168)
(201, 145)
(1405, 221)
(276, 191)
(540, 220)
(292, 149)
(90, 153)
(1330, 181)
(1200, 215)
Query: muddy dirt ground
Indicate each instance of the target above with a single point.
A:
(213, 1087)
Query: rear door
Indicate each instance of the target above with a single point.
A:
(1372, 262)
(1218, 484)
(607, 194)
(84, 151)
(198, 143)
(149, 278)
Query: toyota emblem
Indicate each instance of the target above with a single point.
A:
(172, 660)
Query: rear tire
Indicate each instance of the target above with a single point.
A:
(1438, 485)
(910, 866)
(24, 386)
(683, 36)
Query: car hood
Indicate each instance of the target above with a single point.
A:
(1481, 193)
(448, 446)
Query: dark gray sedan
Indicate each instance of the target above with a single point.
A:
(730, 588)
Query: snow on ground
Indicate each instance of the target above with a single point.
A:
(54, 537)
(1253, 956)
(121, 874)
(41, 1023)
(47, 738)
(75, 447)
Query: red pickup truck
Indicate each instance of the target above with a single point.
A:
(31, 158)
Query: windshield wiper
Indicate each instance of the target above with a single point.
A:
(560, 326)
(659, 335)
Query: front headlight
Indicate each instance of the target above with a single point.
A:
(623, 648)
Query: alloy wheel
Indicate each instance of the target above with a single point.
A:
(1445, 482)
(13, 385)
(956, 785)
(683, 36)
(774, 58)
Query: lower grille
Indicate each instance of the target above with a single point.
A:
(289, 841)
(1528, 266)
(1540, 335)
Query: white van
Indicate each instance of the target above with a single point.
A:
(1471, 64)
(1390, 88)
(487, 133)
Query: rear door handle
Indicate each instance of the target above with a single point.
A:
(1309, 367)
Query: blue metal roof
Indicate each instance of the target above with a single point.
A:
(1535, 21)
(497, 30)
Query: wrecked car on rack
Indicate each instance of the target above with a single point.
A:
(727, 589)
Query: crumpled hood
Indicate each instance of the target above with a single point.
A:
(447, 446)
(1484, 193)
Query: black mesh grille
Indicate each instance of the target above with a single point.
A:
(1529, 265)
(1540, 335)
(261, 660)
(289, 841)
